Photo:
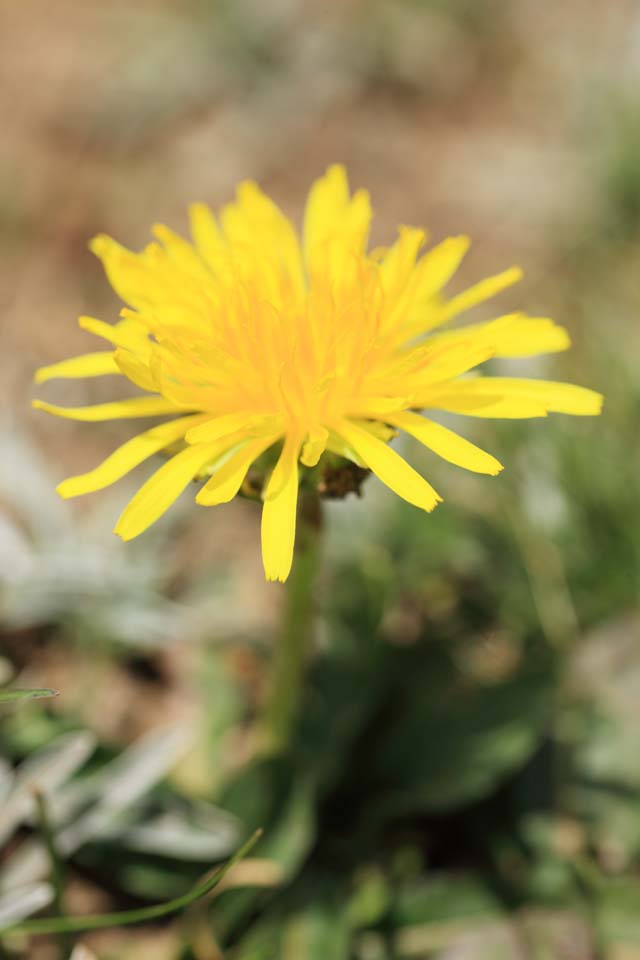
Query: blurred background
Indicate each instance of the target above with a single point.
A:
(465, 778)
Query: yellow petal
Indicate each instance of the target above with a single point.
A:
(440, 263)
(136, 370)
(279, 513)
(514, 335)
(245, 422)
(456, 362)
(206, 234)
(480, 292)
(419, 308)
(389, 466)
(129, 274)
(555, 397)
(326, 204)
(256, 221)
(439, 364)
(409, 287)
(376, 406)
(337, 445)
(335, 225)
(314, 446)
(512, 398)
(117, 410)
(399, 262)
(378, 430)
(181, 252)
(490, 407)
(161, 490)
(127, 333)
(126, 457)
(87, 365)
(447, 444)
(227, 479)
(215, 427)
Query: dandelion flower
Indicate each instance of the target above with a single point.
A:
(252, 340)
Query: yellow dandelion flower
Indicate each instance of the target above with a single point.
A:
(252, 339)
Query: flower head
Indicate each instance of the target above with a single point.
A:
(254, 340)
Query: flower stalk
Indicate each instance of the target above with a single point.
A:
(292, 646)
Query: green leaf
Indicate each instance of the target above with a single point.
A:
(11, 696)
(445, 897)
(317, 931)
(316, 934)
(618, 911)
(446, 739)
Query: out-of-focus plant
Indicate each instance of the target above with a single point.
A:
(57, 572)
(97, 807)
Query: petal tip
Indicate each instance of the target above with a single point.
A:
(204, 499)
(88, 323)
(336, 170)
(99, 244)
(276, 576)
(161, 232)
(65, 489)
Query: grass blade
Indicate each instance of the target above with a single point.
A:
(102, 921)
(10, 696)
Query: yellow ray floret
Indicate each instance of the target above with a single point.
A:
(260, 342)
(88, 365)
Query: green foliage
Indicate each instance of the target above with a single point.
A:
(16, 696)
(451, 778)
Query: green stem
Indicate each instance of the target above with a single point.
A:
(287, 672)
(57, 867)
(127, 917)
